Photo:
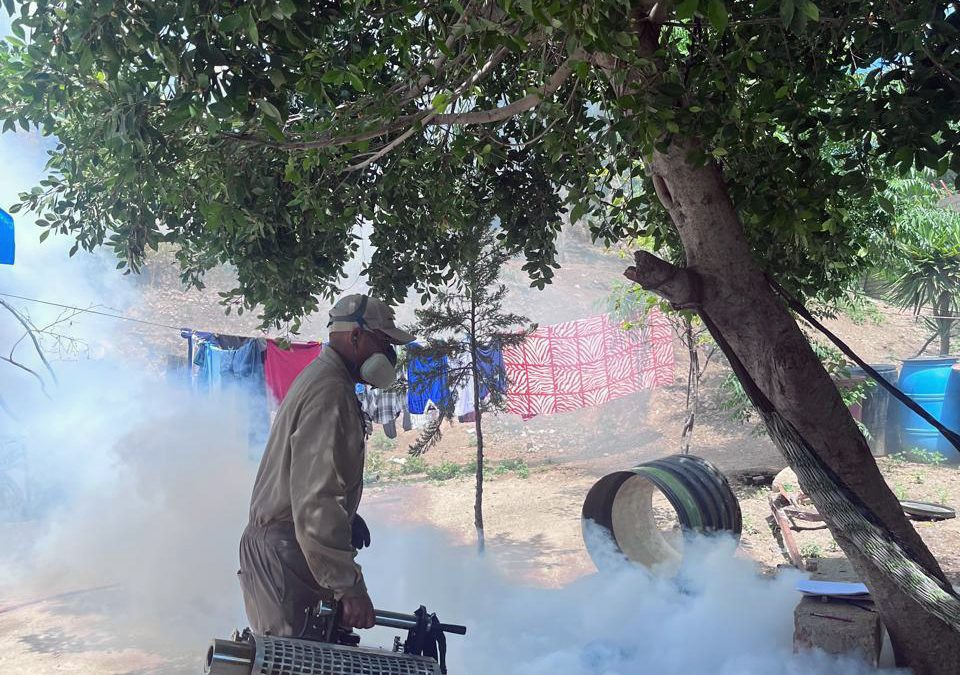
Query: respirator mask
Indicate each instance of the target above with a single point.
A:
(380, 370)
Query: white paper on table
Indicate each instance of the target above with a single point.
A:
(840, 589)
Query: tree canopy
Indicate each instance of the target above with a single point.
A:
(261, 133)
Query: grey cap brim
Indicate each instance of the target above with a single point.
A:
(398, 336)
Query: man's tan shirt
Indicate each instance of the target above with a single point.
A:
(312, 471)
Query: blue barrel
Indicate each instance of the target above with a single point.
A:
(925, 381)
(951, 415)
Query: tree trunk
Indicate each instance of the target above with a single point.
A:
(944, 323)
(478, 425)
(727, 285)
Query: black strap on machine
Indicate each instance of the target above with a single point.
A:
(798, 307)
(427, 639)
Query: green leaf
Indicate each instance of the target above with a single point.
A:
(74, 249)
(269, 110)
(252, 32)
(274, 130)
(44, 235)
(787, 10)
(577, 213)
(763, 6)
(231, 23)
(278, 78)
(440, 101)
(355, 81)
(8, 5)
(811, 10)
(672, 89)
(687, 8)
(717, 15)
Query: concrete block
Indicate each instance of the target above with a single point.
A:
(838, 628)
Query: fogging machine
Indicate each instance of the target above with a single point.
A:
(327, 648)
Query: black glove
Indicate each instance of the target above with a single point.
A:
(360, 533)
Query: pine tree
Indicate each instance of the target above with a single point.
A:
(465, 326)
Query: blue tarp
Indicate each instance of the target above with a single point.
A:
(7, 244)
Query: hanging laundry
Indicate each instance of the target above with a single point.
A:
(238, 376)
(464, 393)
(580, 364)
(283, 365)
(8, 245)
(230, 341)
(426, 381)
(420, 420)
(491, 365)
(383, 406)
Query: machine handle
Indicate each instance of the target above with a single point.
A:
(393, 619)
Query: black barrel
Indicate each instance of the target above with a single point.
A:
(620, 504)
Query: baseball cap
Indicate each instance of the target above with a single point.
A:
(369, 313)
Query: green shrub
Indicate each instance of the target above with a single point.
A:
(445, 471)
(413, 465)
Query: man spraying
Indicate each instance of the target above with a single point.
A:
(300, 544)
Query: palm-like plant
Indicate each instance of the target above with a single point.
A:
(926, 264)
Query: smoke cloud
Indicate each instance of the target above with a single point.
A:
(717, 617)
(143, 486)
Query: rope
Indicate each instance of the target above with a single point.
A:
(90, 311)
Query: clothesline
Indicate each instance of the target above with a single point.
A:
(87, 310)
(558, 368)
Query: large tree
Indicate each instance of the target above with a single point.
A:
(740, 135)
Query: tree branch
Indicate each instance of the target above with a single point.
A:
(520, 105)
(43, 386)
(498, 55)
(926, 344)
(430, 118)
(414, 91)
(678, 285)
(36, 344)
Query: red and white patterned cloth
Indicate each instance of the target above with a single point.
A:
(580, 364)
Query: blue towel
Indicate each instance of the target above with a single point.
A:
(491, 369)
(426, 381)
